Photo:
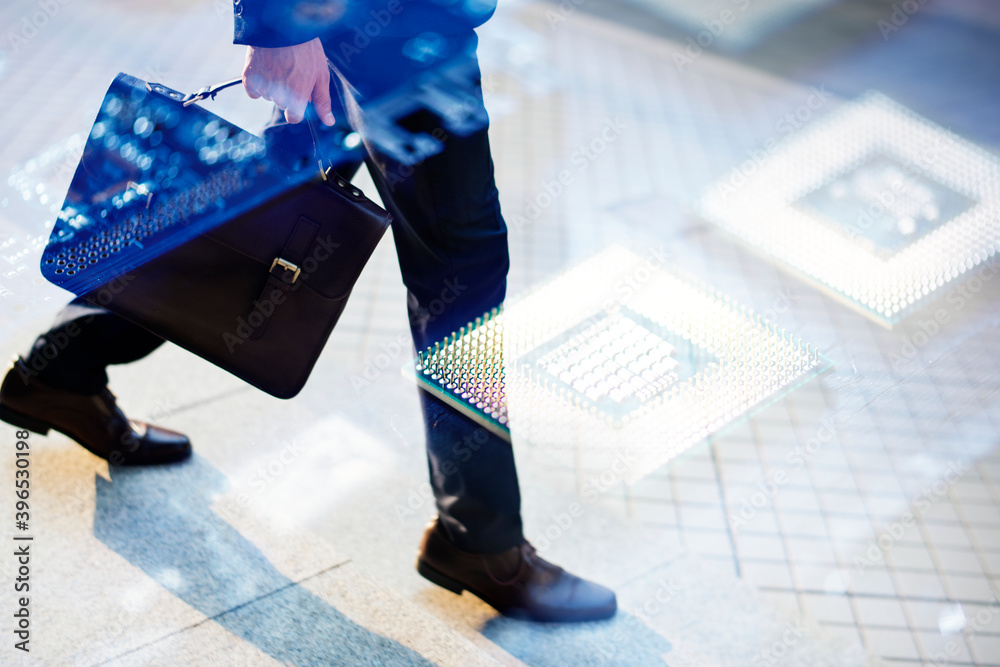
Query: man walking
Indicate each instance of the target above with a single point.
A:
(448, 230)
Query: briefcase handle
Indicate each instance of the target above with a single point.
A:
(209, 92)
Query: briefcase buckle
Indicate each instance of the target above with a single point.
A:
(287, 266)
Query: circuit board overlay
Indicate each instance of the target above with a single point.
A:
(872, 204)
(158, 170)
(578, 367)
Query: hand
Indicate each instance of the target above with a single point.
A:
(291, 77)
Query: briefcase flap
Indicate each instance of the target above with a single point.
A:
(348, 227)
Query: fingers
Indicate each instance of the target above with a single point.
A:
(292, 102)
(291, 77)
(249, 83)
(295, 114)
(250, 88)
(321, 99)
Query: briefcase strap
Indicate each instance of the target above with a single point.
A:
(284, 273)
(209, 92)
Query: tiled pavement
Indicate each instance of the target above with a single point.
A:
(883, 539)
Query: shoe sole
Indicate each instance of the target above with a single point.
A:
(455, 586)
(15, 418)
(440, 578)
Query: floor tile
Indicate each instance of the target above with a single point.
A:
(958, 561)
(980, 514)
(891, 643)
(709, 542)
(926, 585)
(872, 581)
(702, 516)
(809, 550)
(943, 648)
(911, 557)
(829, 608)
(985, 649)
(879, 612)
(947, 536)
(926, 615)
(759, 547)
(968, 588)
(698, 492)
(766, 574)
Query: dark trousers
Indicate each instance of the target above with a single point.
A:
(451, 241)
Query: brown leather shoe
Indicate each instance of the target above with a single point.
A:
(95, 421)
(516, 582)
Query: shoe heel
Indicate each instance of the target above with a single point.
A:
(439, 578)
(15, 418)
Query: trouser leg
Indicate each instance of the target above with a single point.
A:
(474, 480)
(451, 241)
(84, 339)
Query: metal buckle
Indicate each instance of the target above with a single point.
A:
(288, 266)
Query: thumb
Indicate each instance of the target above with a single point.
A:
(321, 101)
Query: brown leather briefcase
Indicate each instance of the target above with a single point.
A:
(244, 265)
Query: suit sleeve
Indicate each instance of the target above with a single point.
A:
(273, 23)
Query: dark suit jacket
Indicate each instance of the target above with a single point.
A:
(272, 23)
